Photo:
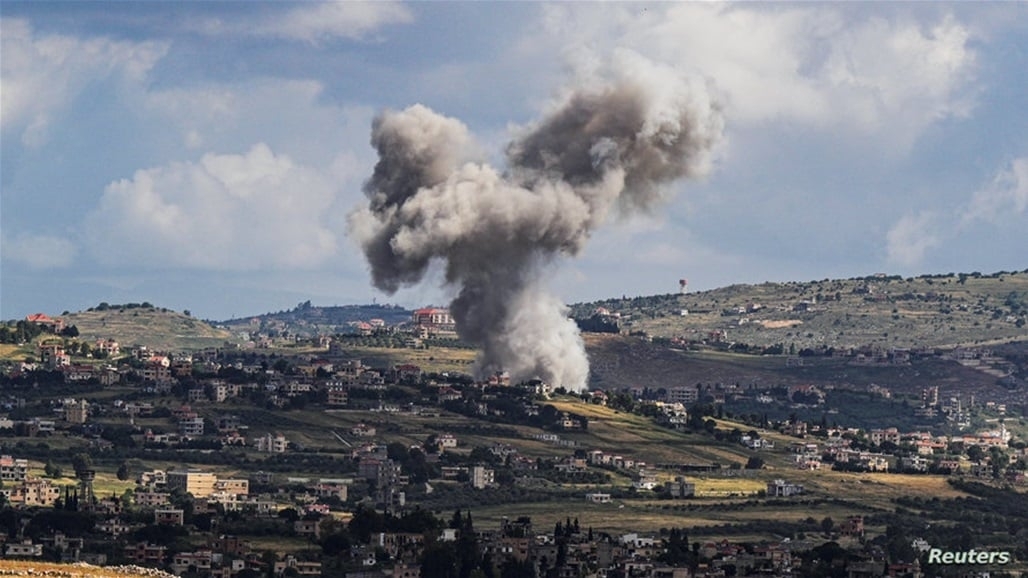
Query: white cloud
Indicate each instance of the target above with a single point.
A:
(1007, 194)
(39, 251)
(318, 21)
(813, 64)
(289, 115)
(911, 238)
(234, 212)
(43, 74)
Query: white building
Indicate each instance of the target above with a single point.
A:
(272, 443)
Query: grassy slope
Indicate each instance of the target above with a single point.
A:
(959, 313)
(157, 329)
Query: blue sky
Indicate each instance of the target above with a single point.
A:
(205, 155)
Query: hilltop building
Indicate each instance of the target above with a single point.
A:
(434, 319)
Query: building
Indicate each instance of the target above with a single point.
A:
(235, 486)
(783, 489)
(146, 499)
(169, 516)
(146, 554)
(852, 526)
(32, 492)
(191, 426)
(13, 470)
(46, 322)
(199, 484)
(682, 394)
(362, 430)
(24, 549)
(52, 355)
(77, 412)
(680, 488)
(433, 318)
(272, 443)
(337, 395)
(108, 347)
(482, 477)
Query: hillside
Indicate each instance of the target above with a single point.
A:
(309, 320)
(156, 328)
(941, 311)
(881, 312)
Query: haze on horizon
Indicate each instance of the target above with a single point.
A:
(205, 156)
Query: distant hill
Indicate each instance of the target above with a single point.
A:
(157, 328)
(309, 320)
(879, 311)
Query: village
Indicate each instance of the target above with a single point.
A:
(370, 507)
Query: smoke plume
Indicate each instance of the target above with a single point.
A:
(603, 148)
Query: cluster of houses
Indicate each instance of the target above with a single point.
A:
(332, 381)
(916, 451)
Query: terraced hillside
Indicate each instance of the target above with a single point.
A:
(879, 311)
(156, 328)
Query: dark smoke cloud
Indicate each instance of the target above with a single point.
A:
(608, 147)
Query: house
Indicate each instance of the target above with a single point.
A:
(146, 554)
(77, 372)
(685, 395)
(46, 322)
(107, 347)
(199, 484)
(915, 463)
(24, 549)
(272, 443)
(447, 393)
(13, 470)
(598, 498)
(408, 373)
(147, 499)
(783, 489)
(434, 319)
(52, 355)
(113, 528)
(199, 561)
(446, 441)
(337, 394)
(32, 492)
(482, 477)
(308, 527)
(327, 490)
(680, 488)
(878, 436)
(852, 526)
(169, 516)
(301, 567)
(362, 430)
(191, 426)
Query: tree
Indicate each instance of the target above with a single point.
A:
(827, 524)
(975, 453)
(123, 472)
(52, 470)
(81, 462)
(755, 463)
(289, 515)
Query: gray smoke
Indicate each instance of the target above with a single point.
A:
(603, 148)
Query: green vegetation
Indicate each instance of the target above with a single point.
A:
(878, 311)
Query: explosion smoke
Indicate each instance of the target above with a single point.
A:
(603, 148)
